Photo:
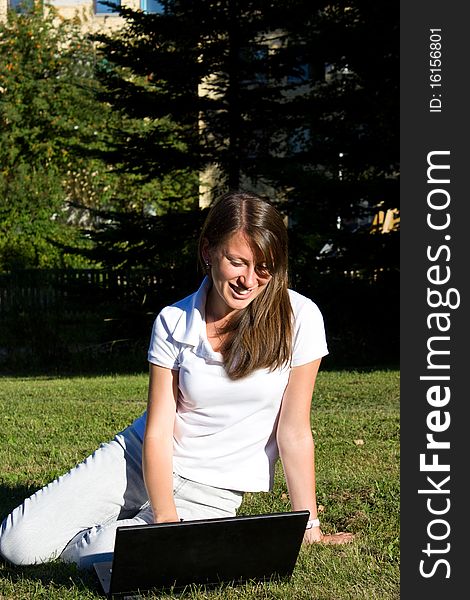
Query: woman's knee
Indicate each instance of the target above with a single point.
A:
(19, 545)
(28, 534)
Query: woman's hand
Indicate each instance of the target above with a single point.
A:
(168, 518)
(315, 535)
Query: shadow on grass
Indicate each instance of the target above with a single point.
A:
(141, 368)
(56, 574)
(55, 369)
(12, 496)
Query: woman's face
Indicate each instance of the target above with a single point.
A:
(238, 277)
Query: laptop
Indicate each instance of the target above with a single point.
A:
(206, 552)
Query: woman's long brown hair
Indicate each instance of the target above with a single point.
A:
(259, 336)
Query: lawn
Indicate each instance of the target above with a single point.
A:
(49, 424)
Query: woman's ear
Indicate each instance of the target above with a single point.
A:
(205, 251)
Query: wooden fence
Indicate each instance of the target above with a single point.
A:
(56, 318)
(69, 290)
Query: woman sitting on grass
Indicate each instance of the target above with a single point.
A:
(232, 372)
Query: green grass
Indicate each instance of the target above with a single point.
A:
(49, 424)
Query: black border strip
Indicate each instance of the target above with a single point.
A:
(434, 290)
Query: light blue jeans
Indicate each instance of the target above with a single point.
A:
(75, 517)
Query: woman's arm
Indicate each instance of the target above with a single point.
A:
(158, 442)
(296, 446)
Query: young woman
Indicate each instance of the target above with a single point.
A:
(232, 372)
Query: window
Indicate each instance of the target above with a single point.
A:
(254, 64)
(301, 74)
(18, 5)
(335, 72)
(104, 9)
(152, 6)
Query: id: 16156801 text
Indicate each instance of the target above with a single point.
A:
(435, 70)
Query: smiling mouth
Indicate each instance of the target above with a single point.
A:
(241, 291)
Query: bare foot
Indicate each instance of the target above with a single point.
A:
(341, 537)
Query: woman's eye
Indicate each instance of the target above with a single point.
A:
(263, 272)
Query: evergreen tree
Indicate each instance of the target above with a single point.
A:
(209, 76)
(346, 167)
(297, 98)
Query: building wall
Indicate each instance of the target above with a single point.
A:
(3, 9)
(84, 9)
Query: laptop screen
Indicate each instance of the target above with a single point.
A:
(207, 552)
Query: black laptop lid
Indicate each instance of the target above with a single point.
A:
(233, 549)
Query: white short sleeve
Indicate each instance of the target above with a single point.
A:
(163, 350)
(309, 331)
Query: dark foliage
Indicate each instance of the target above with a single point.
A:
(298, 99)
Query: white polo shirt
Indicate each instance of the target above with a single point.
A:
(225, 430)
